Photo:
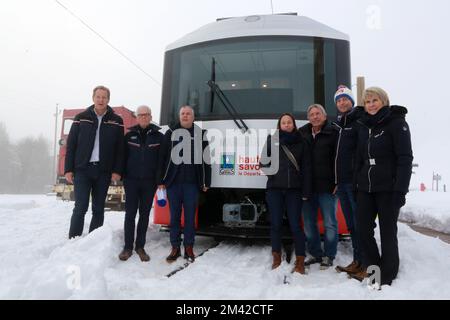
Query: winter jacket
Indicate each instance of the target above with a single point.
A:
(80, 142)
(384, 154)
(142, 152)
(287, 176)
(347, 128)
(168, 170)
(323, 150)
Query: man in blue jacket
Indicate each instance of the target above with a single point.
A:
(142, 144)
(184, 172)
(94, 158)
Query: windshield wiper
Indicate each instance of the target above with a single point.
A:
(213, 78)
(228, 105)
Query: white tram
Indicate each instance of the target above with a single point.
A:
(242, 73)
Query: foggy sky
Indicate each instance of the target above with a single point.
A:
(49, 57)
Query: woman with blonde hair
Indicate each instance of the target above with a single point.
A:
(383, 172)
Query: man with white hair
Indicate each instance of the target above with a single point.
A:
(142, 145)
(322, 139)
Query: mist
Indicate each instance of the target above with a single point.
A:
(26, 167)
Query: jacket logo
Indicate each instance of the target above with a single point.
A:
(154, 145)
(133, 138)
(113, 122)
(134, 144)
(348, 129)
(379, 135)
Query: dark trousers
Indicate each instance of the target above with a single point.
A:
(139, 195)
(182, 196)
(368, 206)
(348, 205)
(87, 182)
(278, 201)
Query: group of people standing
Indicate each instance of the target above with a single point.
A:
(364, 159)
(99, 153)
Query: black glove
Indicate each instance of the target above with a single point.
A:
(398, 199)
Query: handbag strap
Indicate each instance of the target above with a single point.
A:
(291, 157)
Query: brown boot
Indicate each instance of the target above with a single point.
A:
(189, 253)
(143, 255)
(125, 254)
(352, 268)
(360, 276)
(174, 255)
(276, 259)
(299, 265)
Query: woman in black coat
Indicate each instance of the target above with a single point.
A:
(287, 186)
(383, 172)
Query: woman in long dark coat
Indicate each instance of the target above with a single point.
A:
(383, 173)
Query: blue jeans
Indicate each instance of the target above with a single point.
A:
(182, 196)
(348, 205)
(139, 195)
(278, 201)
(87, 181)
(327, 203)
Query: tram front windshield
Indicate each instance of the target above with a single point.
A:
(261, 77)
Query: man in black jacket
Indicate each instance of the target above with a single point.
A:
(346, 126)
(142, 145)
(322, 139)
(94, 158)
(184, 173)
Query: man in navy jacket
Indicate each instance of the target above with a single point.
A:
(346, 126)
(94, 158)
(142, 145)
(184, 174)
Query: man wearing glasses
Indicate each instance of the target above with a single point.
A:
(142, 144)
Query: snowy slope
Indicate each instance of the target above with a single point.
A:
(428, 209)
(38, 262)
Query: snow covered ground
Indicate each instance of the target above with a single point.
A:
(428, 209)
(38, 262)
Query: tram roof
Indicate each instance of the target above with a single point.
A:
(259, 25)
